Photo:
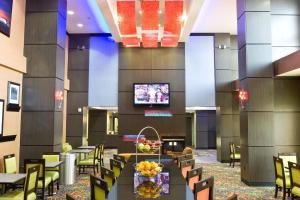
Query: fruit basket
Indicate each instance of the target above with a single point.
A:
(148, 146)
(149, 189)
(146, 168)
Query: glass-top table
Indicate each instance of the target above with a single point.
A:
(123, 189)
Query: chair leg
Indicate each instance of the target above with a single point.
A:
(276, 191)
(57, 184)
(284, 194)
(233, 163)
(289, 192)
(230, 162)
(43, 193)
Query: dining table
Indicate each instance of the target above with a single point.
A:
(87, 147)
(124, 188)
(53, 164)
(6, 178)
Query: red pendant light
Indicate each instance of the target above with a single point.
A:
(150, 40)
(173, 17)
(150, 14)
(126, 17)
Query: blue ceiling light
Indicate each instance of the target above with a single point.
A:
(98, 16)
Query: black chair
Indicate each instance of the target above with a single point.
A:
(204, 189)
(99, 188)
(194, 176)
(186, 165)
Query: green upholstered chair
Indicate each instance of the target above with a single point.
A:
(116, 167)
(108, 176)
(295, 179)
(91, 155)
(45, 180)
(89, 163)
(234, 154)
(282, 180)
(186, 165)
(194, 176)
(99, 188)
(10, 167)
(122, 159)
(204, 189)
(287, 157)
(29, 191)
(101, 154)
(52, 172)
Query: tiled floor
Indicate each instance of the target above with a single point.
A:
(227, 180)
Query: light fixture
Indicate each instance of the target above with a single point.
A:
(140, 12)
(79, 25)
(71, 12)
(159, 12)
(183, 18)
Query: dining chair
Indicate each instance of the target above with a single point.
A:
(99, 188)
(194, 176)
(186, 165)
(108, 176)
(282, 181)
(234, 154)
(52, 172)
(121, 159)
(295, 179)
(10, 167)
(45, 181)
(91, 155)
(29, 190)
(287, 157)
(69, 197)
(89, 163)
(116, 167)
(233, 197)
(101, 155)
(184, 157)
(204, 189)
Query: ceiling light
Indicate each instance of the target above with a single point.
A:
(80, 25)
(71, 12)
(140, 12)
(159, 11)
(183, 18)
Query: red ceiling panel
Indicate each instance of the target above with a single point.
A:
(173, 15)
(131, 41)
(150, 40)
(150, 14)
(126, 17)
(169, 41)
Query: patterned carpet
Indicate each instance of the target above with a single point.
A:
(227, 181)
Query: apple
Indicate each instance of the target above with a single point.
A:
(147, 148)
(140, 146)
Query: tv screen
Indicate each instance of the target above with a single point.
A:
(151, 93)
(5, 16)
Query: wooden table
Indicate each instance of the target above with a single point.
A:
(11, 178)
(123, 189)
(53, 164)
(87, 147)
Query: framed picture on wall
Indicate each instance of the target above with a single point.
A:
(5, 16)
(1, 116)
(13, 96)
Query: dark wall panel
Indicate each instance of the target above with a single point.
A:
(151, 65)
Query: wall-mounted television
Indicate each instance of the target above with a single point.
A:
(5, 16)
(151, 93)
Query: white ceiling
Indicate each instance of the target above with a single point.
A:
(215, 16)
(295, 72)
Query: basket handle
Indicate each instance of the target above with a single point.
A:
(137, 139)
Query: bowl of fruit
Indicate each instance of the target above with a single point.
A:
(148, 169)
(148, 146)
(149, 189)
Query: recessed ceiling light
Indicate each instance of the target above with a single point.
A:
(183, 18)
(80, 25)
(71, 12)
(141, 12)
(159, 11)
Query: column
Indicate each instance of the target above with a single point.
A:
(43, 85)
(256, 77)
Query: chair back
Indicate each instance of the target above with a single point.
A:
(232, 148)
(204, 189)
(108, 176)
(184, 157)
(288, 157)
(52, 157)
(28, 163)
(69, 197)
(99, 188)
(186, 165)
(279, 169)
(194, 176)
(294, 174)
(116, 167)
(10, 164)
(121, 159)
(31, 181)
(233, 197)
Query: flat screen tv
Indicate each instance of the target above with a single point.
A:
(5, 16)
(151, 94)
